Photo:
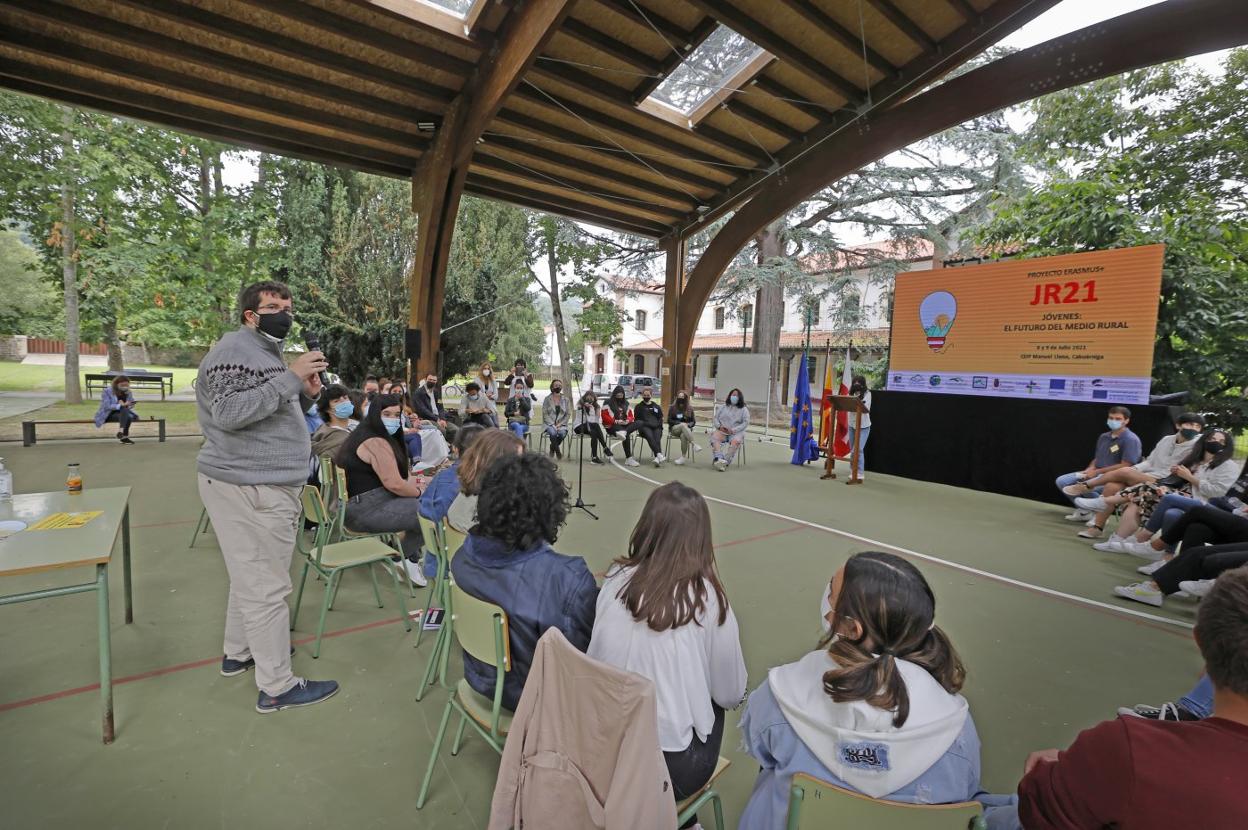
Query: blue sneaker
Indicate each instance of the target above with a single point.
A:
(304, 693)
(233, 668)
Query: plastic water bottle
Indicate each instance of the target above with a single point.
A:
(6, 482)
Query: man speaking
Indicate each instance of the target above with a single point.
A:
(251, 468)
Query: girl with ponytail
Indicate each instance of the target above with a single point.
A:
(875, 708)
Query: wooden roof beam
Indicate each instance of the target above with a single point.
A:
(622, 52)
(112, 98)
(792, 55)
(907, 26)
(482, 164)
(741, 108)
(648, 20)
(88, 58)
(776, 89)
(969, 13)
(827, 24)
(180, 50)
(508, 192)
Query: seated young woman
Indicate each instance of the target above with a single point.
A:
(617, 417)
(117, 405)
(1206, 473)
(518, 409)
(680, 423)
(461, 515)
(382, 494)
(875, 708)
(443, 488)
(478, 409)
(508, 560)
(663, 614)
(589, 422)
(337, 411)
(730, 422)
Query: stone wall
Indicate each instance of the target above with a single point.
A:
(12, 346)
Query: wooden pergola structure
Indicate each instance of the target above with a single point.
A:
(547, 103)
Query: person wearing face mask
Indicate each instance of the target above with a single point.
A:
(680, 423)
(518, 409)
(730, 423)
(555, 418)
(336, 411)
(251, 468)
(617, 417)
(487, 382)
(519, 372)
(427, 402)
(477, 407)
(382, 494)
(1169, 451)
(372, 388)
(1203, 475)
(858, 388)
(1115, 450)
(117, 405)
(648, 421)
(875, 708)
(589, 422)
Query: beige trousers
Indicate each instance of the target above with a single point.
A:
(685, 434)
(255, 527)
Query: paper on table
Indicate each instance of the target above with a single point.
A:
(62, 521)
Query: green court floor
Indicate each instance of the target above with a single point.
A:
(1048, 649)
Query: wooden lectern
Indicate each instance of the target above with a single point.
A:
(852, 405)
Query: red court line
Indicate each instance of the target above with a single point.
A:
(760, 537)
(94, 687)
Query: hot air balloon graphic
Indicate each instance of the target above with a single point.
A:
(936, 313)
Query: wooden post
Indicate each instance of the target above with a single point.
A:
(673, 362)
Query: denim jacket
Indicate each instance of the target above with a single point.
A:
(539, 589)
(110, 403)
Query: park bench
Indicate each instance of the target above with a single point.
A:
(139, 379)
(28, 428)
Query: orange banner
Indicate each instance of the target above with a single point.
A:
(1062, 326)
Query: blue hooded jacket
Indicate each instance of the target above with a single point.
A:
(539, 589)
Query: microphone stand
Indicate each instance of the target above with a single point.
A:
(580, 504)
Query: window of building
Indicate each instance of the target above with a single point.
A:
(747, 316)
(640, 318)
(705, 71)
(600, 363)
(813, 376)
(719, 317)
(639, 364)
(715, 366)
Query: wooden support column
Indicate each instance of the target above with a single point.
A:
(675, 363)
(438, 181)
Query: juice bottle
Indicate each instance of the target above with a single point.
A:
(73, 481)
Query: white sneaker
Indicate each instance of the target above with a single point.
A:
(1151, 568)
(1143, 550)
(679, 462)
(720, 464)
(696, 448)
(1197, 587)
(415, 573)
(1091, 522)
(631, 462)
(1145, 592)
(1111, 545)
(659, 459)
(1091, 503)
(1079, 515)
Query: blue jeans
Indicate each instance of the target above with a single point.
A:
(1199, 701)
(556, 436)
(1072, 478)
(518, 428)
(1168, 511)
(862, 447)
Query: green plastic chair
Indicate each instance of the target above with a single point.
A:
(203, 525)
(447, 541)
(332, 559)
(481, 629)
(339, 531)
(818, 805)
(688, 808)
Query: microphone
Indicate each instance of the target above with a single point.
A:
(314, 345)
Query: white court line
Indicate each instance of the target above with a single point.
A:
(928, 557)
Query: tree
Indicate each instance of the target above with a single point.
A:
(26, 292)
(1159, 155)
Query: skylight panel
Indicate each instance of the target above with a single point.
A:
(705, 71)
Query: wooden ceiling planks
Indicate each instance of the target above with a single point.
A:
(349, 81)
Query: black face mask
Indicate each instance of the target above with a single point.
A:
(429, 384)
(1189, 434)
(276, 324)
(1215, 448)
(555, 390)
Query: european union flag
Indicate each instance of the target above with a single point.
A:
(801, 435)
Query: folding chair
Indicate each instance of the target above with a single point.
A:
(338, 521)
(332, 559)
(688, 808)
(203, 525)
(447, 541)
(818, 805)
(481, 629)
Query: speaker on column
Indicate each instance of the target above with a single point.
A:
(411, 344)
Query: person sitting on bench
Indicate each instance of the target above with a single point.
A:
(117, 404)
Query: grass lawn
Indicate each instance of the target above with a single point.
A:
(16, 377)
(179, 420)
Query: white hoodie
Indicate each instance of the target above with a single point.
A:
(856, 741)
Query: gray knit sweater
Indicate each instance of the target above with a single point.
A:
(251, 412)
